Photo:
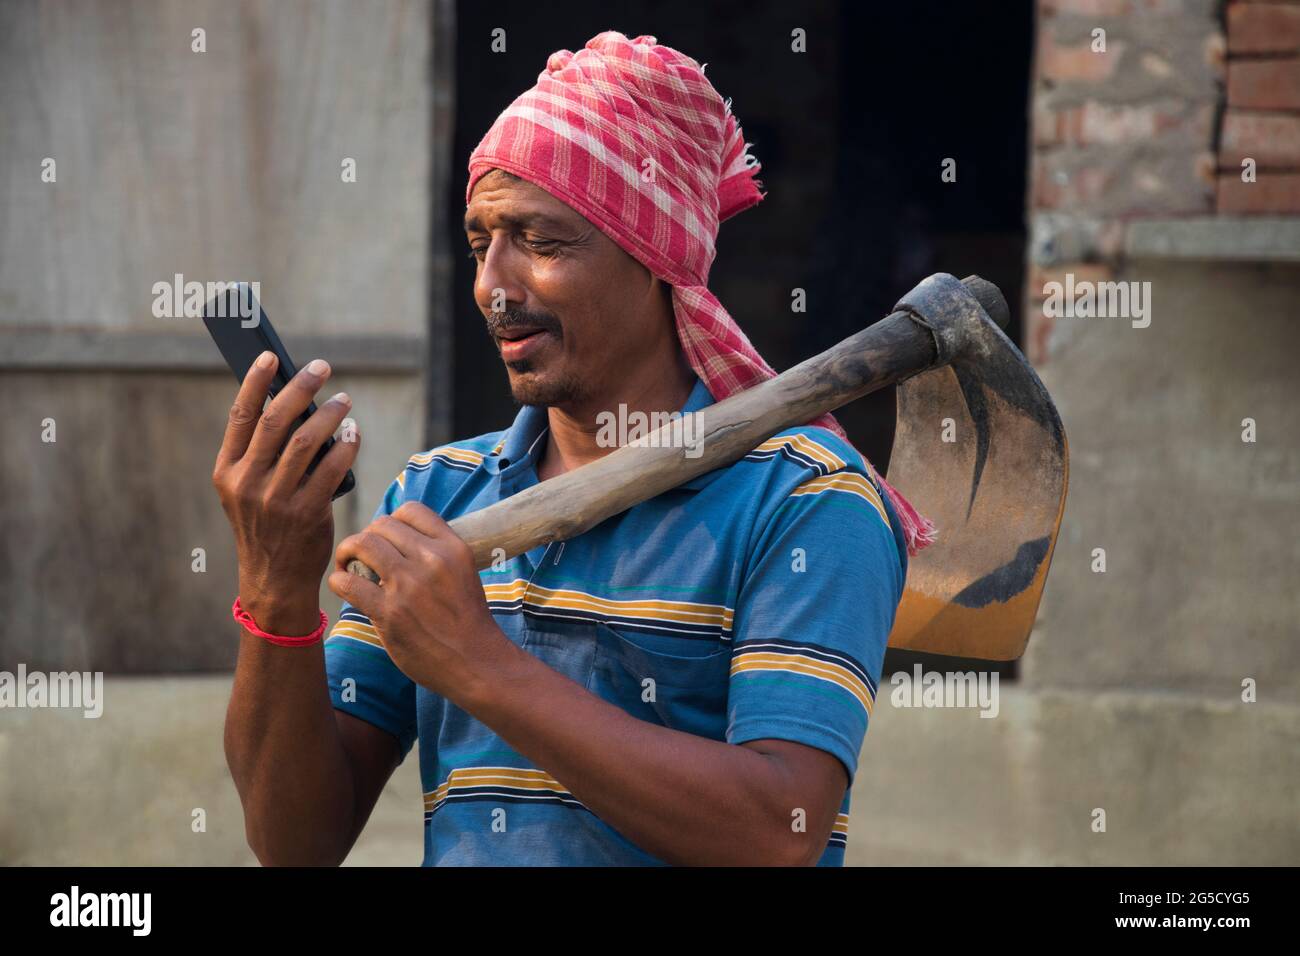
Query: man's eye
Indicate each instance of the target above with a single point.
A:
(475, 253)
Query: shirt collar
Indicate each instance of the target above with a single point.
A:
(519, 446)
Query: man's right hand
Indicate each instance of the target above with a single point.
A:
(282, 517)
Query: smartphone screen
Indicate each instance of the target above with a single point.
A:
(236, 322)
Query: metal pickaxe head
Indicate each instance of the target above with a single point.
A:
(980, 450)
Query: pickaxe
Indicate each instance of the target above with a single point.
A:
(995, 491)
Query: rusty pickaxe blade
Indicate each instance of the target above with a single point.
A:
(983, 504)
(980, 450)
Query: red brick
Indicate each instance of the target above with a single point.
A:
(1263, 28)
(1264, 84)
(1270, 193)
(1046, 124)
(1271, 139)
(1076, 63)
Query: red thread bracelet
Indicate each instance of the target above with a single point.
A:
(246, 619)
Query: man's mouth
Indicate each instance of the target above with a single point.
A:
(515, 335)
(520, 343)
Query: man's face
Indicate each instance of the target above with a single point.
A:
(567, 308)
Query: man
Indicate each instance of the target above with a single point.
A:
(688, 682)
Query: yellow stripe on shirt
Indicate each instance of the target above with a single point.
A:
(806, 447)
(848, 482)
(673, 612)
(807, 666)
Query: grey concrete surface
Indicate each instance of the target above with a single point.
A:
(1199, 528)
(1183, 780)
(121, 790)
(1251, 238)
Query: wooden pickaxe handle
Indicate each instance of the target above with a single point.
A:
(895, 348)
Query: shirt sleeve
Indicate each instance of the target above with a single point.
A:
(363, 680)
(814, 615)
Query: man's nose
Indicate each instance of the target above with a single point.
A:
(498, 282)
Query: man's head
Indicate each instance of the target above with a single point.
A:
(638, 159)
(569, 310)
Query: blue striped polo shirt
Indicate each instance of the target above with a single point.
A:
(751, 602)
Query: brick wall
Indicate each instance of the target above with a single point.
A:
(1262, 116)
(1146, 109)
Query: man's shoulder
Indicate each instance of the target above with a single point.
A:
(795, 456)
(813, 471)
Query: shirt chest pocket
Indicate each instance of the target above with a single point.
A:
(564, 645)
(686, 693)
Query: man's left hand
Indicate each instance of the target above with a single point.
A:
(430, 611)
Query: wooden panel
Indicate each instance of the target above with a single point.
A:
(219, 166)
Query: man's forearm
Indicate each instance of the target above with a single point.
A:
(286, 756)
(682, 798)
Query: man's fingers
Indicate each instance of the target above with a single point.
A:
(247, 408)
(423, 519)
(327, 477)
(277, 421)
(363, 595)
(371, 548)
(306, 441)
(401, 536)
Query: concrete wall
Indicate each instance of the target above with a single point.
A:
(1199, 527)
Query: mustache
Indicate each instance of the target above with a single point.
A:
(499, 323)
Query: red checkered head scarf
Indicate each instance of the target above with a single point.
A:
(634, 137)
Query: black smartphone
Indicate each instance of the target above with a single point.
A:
(242, 331)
